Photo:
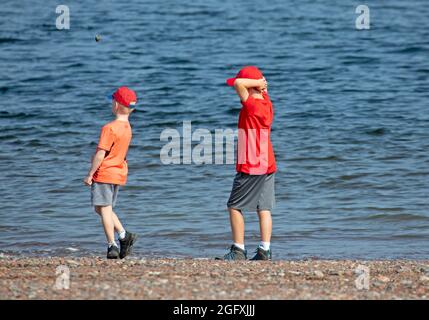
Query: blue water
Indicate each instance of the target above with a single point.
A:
(351, 130)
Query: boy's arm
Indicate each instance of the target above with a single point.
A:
(97, 159)
(241, 86)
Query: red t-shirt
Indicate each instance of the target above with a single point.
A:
(255, 151)
(115, 138)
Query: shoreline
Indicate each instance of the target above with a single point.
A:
(201, 279)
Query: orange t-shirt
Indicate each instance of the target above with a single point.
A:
(115, 138)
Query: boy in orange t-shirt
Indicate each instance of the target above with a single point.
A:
(109, 170)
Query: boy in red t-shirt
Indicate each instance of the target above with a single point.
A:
(253, 187)
(109, 170)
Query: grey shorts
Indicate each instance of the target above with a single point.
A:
(252, 192)
(104, 194)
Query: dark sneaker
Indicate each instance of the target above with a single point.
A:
(112, 252)
(262, 254)
(235, 253)
(126, 244)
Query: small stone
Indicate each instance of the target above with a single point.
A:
(401, 269)
(406, 282)
(424, 269)
(424, 278)
(335, 273)
(319, 274)
(389, 287)
(72, 262)
(383, 279)
(32, 295)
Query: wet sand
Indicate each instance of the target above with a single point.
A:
(97, 278)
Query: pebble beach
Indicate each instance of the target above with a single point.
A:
(199, 279)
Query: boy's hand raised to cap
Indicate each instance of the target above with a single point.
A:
(264, 85)
(88, 180)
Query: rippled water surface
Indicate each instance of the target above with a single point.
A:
(351, 131)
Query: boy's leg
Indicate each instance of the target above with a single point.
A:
(237, 226)
(237, 251)
(265, 225)
(266, 202)
(126, 239)
(106, 214)
(117, 223)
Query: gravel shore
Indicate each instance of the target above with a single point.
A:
(97, 278)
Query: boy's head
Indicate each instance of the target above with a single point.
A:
(123, 101)
(249, 72)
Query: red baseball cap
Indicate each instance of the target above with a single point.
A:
(125, 96)
(249, 72)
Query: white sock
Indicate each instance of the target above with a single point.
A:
(264, 245)
(113, 243)
(239, 245)
(121, 234)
